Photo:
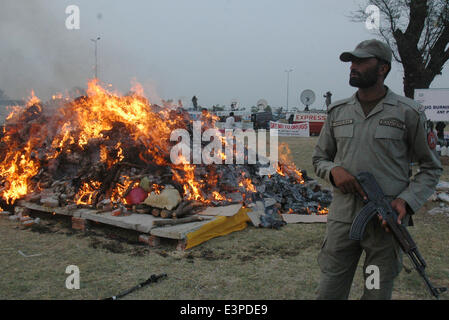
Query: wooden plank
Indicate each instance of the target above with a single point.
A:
(139, 222)
(78, 213)
(172, 222)
(37, 207)
(179, 232)
(256, 212)
(304, 218)
(227, 211)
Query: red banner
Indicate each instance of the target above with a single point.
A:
(311, 117)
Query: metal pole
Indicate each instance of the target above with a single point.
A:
(288, 83)
(287, 89)
(96, 65)
(96, 60)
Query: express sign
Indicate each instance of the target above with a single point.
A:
(310, 117)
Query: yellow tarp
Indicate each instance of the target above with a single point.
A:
(220, 226)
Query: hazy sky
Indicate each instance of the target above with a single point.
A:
(218, 50)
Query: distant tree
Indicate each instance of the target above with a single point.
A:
(418, 33)
(3, 96)
(267, 108)
(254, 109)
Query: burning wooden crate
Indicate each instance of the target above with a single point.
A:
(106, 157)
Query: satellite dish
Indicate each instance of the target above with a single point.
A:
(234, 103)
(307, 98)
(262, 104)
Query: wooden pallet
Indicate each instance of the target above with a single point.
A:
(143, 223)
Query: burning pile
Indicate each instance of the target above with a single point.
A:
(110, 152)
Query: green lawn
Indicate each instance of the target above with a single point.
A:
(249, 264)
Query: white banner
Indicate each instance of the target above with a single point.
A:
(436, 103)
(288, 130)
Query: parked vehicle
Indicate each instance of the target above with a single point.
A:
(261, 120)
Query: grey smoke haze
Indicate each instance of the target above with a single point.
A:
(218, 50)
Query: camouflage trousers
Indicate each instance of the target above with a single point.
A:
(339, 257)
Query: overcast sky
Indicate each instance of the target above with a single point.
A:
(218, 50)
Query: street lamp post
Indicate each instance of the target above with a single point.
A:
(288, 80)
(96, 64)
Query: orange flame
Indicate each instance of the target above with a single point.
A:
(97, 122)
(74, 126)
(286, 166)
(192, 188)
(17, 168)
(247, 184)
(323, 210)
(157, 188)
(86, 192)
(217, 196)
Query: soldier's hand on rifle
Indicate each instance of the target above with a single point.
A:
(346, 182)
(399, 205)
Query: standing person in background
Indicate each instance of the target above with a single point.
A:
(195, 103)
(440, 131)
(230, 121)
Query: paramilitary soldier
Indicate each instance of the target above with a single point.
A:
(381, 132)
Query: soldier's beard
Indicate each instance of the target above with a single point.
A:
(364, 80)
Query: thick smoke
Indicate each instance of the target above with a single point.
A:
(38, 52)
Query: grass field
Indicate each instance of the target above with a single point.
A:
(249, 264)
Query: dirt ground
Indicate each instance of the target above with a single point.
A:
(250, 264)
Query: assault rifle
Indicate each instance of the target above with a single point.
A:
(377, 203)
(153, 278)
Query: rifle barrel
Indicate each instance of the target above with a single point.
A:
(153, 278)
